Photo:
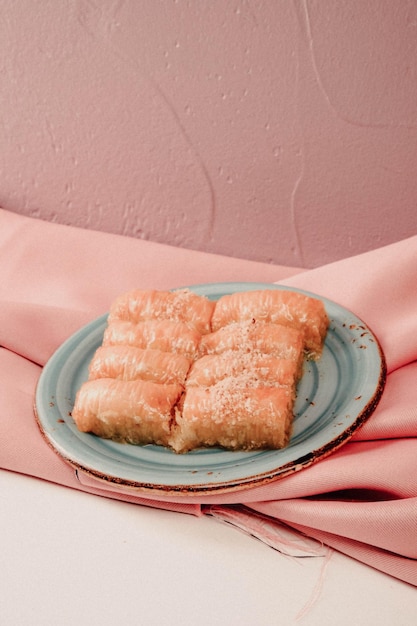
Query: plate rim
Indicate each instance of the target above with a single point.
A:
(230, 485)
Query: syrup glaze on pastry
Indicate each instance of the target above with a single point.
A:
(178, 370)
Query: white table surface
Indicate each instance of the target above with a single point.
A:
(71, 558)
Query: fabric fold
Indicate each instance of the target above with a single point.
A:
(388, 562)
(387, 524)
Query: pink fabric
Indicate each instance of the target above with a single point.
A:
(361, 500)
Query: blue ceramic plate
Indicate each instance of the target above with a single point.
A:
(335, 396)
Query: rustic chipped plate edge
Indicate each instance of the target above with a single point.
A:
(53, 405)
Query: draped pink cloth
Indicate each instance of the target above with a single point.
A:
(361, 500)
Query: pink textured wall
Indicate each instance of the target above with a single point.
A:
(276, 130)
